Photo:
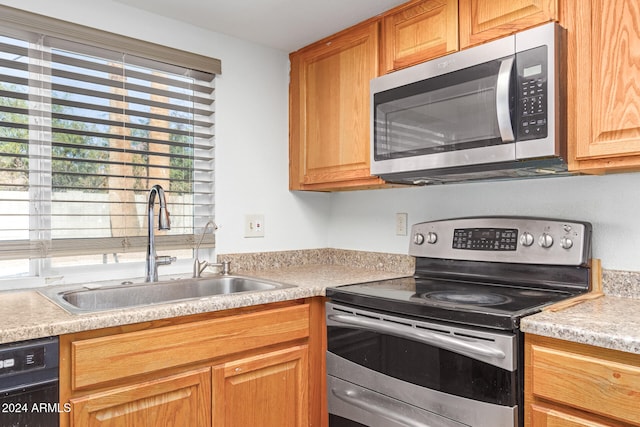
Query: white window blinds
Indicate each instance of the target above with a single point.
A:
(84, 134)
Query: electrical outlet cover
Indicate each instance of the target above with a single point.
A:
(254, 225)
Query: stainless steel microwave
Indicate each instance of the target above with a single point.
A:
(491, 111)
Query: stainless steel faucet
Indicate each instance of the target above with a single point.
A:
(153, 261)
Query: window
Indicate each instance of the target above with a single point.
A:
(85, 131)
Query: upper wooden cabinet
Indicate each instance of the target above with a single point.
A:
(604, 84)
(329, 111)
(484, 20)
(418, 31)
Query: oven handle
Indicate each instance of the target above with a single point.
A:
(377, 404)
(502, 100)
(442, 341)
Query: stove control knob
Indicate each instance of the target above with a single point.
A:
(545, 240)
(526, 239)
(566, 243)
(418, 238)
(432, 237)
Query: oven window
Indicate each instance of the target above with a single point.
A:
(425, 365)
(336, 421)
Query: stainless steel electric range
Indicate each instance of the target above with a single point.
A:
(443, 348)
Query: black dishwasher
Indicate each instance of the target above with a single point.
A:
(29, 383)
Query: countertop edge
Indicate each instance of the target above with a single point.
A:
(596, 322)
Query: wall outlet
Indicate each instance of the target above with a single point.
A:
(254, 225)
(401, 224)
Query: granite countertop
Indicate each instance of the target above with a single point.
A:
(28, 314)
(611, 321)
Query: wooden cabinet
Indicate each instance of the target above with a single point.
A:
(329, 111)
(484, 20)
(176, 400)
(569, 384)
(604, 84)
(273, 383)
(241, 367)
(418, 31)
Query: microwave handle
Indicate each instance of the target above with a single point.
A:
(502, 100)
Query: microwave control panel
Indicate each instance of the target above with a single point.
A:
(531, 118)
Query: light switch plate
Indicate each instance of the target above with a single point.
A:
(401, 224)
(254, 225)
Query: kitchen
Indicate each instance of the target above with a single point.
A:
(254, 84)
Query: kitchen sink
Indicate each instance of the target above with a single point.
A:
(92, 298)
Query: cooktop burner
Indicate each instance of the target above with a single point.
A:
(475, 298)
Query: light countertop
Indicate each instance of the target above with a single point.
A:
(611, 321)
(28, 314)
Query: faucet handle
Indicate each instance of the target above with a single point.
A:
(165, 259)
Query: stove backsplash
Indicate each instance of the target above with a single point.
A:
(624, 284)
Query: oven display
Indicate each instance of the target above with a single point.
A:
(485, 239)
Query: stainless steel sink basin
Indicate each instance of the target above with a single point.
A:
(93, 298)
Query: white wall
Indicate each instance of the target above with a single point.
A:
(252, 161)
(251, 124)
(366, 220)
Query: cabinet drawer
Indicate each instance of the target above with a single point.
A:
(542, 416)
(103, 359)
(590, 383)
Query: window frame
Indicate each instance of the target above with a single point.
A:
(16, 22)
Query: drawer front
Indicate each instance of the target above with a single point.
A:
(103, 359)
(597, 385)
(547, 417)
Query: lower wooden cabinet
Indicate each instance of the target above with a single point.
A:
(569, 385)
(273, 383)
(177, 400)
(242, 367)
(551, 417)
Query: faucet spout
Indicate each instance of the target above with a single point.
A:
(152, 260)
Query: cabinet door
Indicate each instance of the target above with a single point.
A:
(329, 135)
(417, 32)
(268, 390)
(484, 20)
(542, 416)
(604, 91)
(174, 401)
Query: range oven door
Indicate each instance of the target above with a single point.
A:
(385, 370)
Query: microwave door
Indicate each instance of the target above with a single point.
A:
(456, 119)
